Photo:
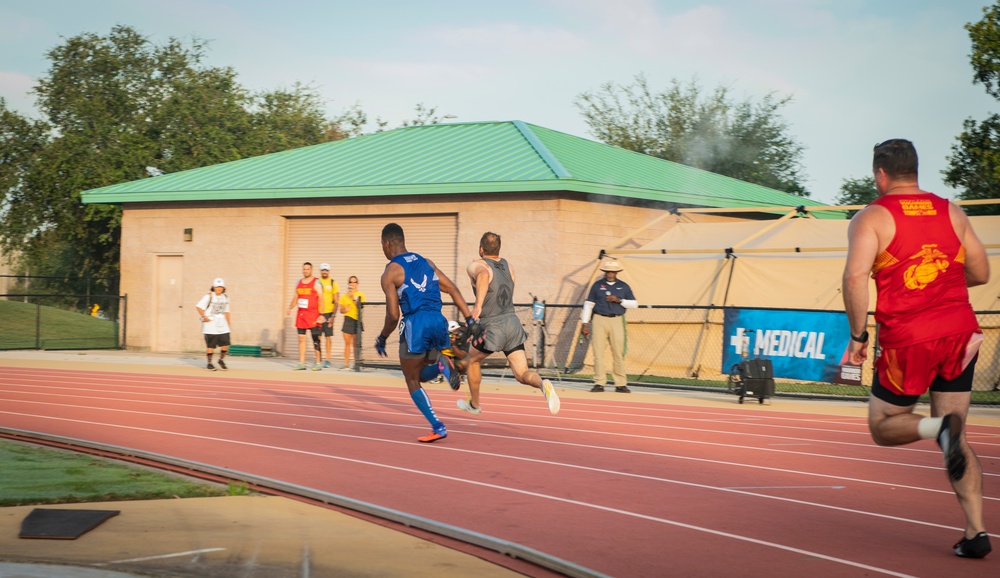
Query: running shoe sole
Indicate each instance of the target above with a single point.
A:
(550, 396)
(432, 437)
(949, 439)
(466, 405)
(976, 547)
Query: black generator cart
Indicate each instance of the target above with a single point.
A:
(751, 377)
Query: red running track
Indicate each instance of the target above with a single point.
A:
(626, 486)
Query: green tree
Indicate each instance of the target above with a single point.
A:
(857, 192)
(974, 163)
(115, 105)
(743, 139)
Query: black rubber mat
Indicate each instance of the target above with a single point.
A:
(62, 524)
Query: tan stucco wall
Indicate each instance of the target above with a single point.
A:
(551, 240)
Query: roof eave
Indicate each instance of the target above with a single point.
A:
(548, 185)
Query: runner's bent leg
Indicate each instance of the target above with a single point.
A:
(474, 375)
(519, 365)
(892, 425)
(968, 490)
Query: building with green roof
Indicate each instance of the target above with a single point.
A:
(556, 200)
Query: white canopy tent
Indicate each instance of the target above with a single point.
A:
(794, 262)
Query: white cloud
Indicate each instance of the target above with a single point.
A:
(14, 87)
(506, 39)
(409, 74)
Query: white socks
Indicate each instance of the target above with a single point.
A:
(929, 427)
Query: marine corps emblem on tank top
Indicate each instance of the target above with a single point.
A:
(924, 273)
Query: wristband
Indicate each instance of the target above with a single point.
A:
(863, 338)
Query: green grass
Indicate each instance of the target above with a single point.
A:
(35, 475)
(59, 329)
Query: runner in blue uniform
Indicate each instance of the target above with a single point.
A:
(413, 285)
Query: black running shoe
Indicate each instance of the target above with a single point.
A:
(597, 388)
(976, 547)
(222, 365)
(210, 367)
(948, 439)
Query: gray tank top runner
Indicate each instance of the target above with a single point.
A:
(500, 296)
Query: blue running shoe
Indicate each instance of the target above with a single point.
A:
(448, 370)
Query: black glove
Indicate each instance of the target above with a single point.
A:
(473, 331)
(380, 346)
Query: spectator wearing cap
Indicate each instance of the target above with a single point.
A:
(328, 307)
(213, 312)
(606, 303)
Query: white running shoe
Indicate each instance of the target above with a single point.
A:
(550, 396)
(466, 405)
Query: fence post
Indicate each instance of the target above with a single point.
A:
(38, 325)
(360, 330)
(123, 315)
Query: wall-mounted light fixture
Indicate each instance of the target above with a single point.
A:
(188, 235)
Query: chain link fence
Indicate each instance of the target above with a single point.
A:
(668, 346)
(61, 321)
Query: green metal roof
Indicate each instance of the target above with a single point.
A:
(481, 157)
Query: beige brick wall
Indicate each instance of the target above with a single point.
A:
(551, 240)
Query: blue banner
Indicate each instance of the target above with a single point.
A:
(809, 345)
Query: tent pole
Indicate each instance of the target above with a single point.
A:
(632, 235)
(695, 367)
(597, 269)
(770, 226)
(699, 350)
(579, 322)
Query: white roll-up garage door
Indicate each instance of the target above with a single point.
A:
(352, 246)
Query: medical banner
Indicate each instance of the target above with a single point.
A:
(808, 345)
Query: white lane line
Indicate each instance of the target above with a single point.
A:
(200, 394)
(153, 382)
(604, 419)
(162, 556)
(728, 417)
(558, 428)
(783, 487)
(550, 463)
(522, 492)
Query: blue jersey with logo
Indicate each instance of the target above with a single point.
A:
(420, 290)
(424, 327)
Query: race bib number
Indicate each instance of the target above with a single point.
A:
(303, 303)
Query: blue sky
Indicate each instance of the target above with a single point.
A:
(859, 72)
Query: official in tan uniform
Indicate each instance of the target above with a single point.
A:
(606, 302)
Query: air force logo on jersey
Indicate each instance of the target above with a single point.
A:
(422, 287)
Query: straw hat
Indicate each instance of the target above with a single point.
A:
(611, 265)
